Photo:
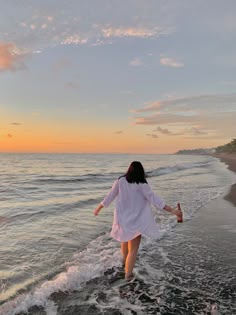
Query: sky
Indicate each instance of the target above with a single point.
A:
(109, 76)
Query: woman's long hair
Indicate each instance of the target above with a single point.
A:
(135, 173)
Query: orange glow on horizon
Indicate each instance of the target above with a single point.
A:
(36, 135)
(99, 144)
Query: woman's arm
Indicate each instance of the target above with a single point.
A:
(109, 198)
(158, 202)
(152, 197)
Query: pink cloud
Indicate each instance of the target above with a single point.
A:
(140, 32)
(136, 62)
(10, 58)
(151, 107)
(169, 62)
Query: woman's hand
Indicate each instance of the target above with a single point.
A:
(97, 210)
(175, 211)
(179, 213)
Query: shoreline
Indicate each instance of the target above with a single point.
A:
(230, 160)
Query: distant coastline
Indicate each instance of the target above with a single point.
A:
(196, 151)
(228, 148)
(227, 155)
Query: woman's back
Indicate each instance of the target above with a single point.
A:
(132, 208)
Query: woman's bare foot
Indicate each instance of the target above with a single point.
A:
(129, 277)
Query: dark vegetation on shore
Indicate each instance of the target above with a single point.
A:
(226, 148)
(196, 151)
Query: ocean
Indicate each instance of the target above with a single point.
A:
(53, 249)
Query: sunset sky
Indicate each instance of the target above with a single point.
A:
(134, 76)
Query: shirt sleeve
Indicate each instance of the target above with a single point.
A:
(111, 195)
(153, 198)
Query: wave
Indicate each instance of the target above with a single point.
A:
(50, 209)
(101, 177)
(176, 168)
(74, 179)
(100, 255)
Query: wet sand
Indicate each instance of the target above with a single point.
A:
(229, 159)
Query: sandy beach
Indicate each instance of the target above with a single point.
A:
(230, 161)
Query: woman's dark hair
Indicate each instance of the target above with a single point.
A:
(135, 173)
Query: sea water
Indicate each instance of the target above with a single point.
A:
(50, 241)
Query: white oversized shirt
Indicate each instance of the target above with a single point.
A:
(133, 214)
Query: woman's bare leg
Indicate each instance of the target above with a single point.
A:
(124, 251)
(133, 246)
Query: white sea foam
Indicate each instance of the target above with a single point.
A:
(99, 256)
(177, 167)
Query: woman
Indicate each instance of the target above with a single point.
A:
(133, 215)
